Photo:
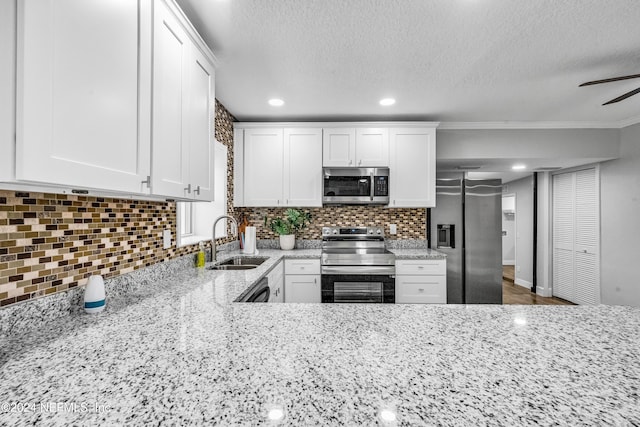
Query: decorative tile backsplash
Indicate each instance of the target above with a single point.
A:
(411, 223)
(52, 242)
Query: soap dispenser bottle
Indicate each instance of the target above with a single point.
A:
(200, 257)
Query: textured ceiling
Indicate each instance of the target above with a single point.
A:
(443, 60)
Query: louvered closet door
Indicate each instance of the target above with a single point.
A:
(576, 224)
(563, 236)
(586, 242)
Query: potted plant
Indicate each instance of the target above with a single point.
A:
(287, 226)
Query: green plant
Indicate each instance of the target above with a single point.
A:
(292, 222)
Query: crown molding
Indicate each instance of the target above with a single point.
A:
(527, 125)
(629, 122)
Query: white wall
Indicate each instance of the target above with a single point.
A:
(523, 190)
(620, 223)
(591, 145)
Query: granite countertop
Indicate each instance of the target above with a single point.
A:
(180, 352)
(418, 254)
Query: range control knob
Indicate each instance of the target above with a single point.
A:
(335, 231)
(378, 231)
(370, 231)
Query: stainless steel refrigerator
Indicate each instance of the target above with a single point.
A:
(466, 225)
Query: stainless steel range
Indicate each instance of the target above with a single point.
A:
(356, 267)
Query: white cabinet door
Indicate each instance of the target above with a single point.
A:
(338, 147)
(7, 87)
(201, 116)
(82, 93)
(412, 169)
(276, 283)
(302, 288)
(172, 50)
(372, 147)
(263, 167)
(303, 167)
(421, 289)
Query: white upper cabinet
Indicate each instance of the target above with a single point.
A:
(338, 147)
(263, 167)
(358, 147)
(278, 167)
(83, 93)
(7, 87)
(372, 147)
(412, 167)
(183, 105)
(303, 167)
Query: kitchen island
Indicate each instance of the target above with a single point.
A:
(179, 351)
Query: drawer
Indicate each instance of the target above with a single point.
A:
(421, 289)
(421, 266)
(301, 266)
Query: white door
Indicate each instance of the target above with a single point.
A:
(263, 164)
(201, 116)
(303, 167)
(302, 288)
(576, 224)
(412, 160)
(372, 147)
(172, 53)
(338, 147)
(81, 112)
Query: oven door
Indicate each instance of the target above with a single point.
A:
(358, 284)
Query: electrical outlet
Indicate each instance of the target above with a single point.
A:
(166, 239)
(393, 229)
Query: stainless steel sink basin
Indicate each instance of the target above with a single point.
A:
(239, 263)
(232, 267)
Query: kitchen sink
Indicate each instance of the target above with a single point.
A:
(239, 263)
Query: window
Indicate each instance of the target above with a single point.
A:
(195, 219)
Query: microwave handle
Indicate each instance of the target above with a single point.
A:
(372, 186)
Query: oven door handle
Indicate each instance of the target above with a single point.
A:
(359, 270)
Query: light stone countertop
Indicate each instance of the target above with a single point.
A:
(179, 352)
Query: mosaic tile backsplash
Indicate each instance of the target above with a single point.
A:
(411, 223)
(50, 242)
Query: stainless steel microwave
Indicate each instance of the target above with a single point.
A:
(355, 186)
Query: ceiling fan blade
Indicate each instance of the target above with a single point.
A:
(613, 79)
(623, 97)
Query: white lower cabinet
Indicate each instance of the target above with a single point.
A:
(302, 280)
(421, 281)
(276, 283)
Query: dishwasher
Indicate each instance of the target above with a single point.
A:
(258, 292)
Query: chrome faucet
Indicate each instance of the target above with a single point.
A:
(234, 230)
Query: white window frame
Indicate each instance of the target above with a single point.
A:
(202, 214)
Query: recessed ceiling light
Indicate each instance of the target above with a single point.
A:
(275, 414)
(387, 415)
(518, 167)
(387, 101)
(275, 102)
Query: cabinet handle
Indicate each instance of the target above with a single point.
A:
(278, 201)
(421, 267)
(350, 162)
(315, 280)
(421, 289)
(188, 189)
(147, 181)
(286, 202)
(360, 162)
(197, 190)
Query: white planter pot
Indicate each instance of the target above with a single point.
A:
(287, 242)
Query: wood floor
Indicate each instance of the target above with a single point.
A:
(516, 294)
